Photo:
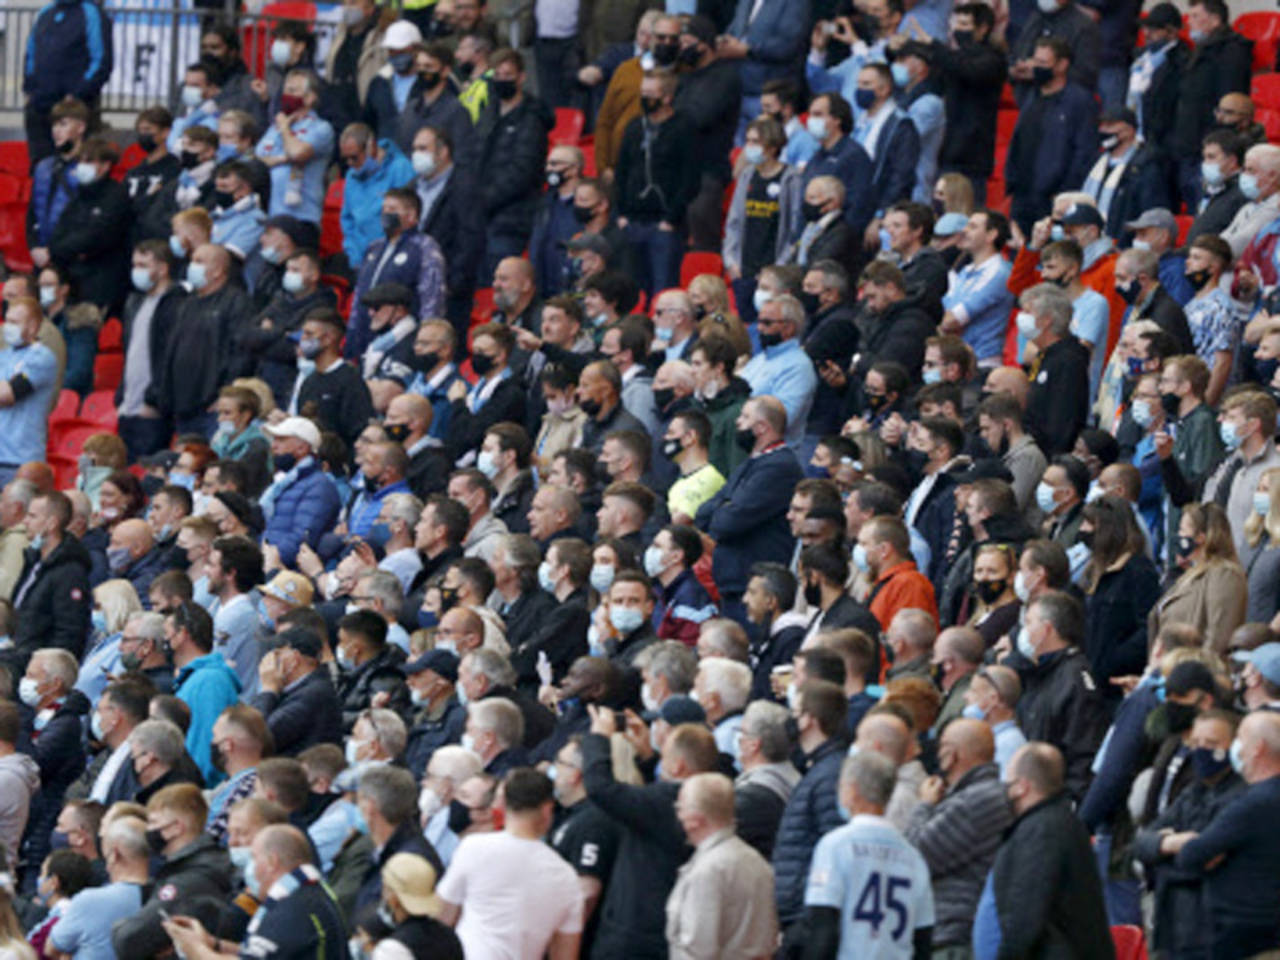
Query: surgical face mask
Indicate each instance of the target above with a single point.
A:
(545, 580)
(352, 751)
(1021, 589)
(141, 278)
(1141, 245)
(1261, 503)
(192, 96)
(197, 276)
(95, 727)
(932, 375)
(1249, 186)
(1047, 7)
(118, 559)
(1226, 431)
(1027, 324)
(860, 558)
(817, 127)
(1025, 646)
(486, 464)
(1142, 413)
(429, 803)
(29, 691)
(901, 75)
(13, 334)
(601, 577)
(85, 173)
(280, 52)
(653, 561)
(648, 699)
(754, 154)
(48, 295)
(1045, 497)
(626, 619)
(760, 298)
(1211, 173)
(292, 282)
(424, 163)
(973, 712)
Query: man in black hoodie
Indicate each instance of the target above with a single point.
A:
(86, 240)
(51, 600)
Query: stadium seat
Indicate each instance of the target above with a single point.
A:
(1130, 942)
(482, 306)
(99, 408)
(1184, 224)
(64, 471)
(331, 220)
(111, 336)
(67, 440)
(291, 10)
(699, 261)
(1263, 28)
(341, 288)
(15, 191)
(1006, 120)
(108, 368)
(1266, 91)
(1270, 120)
(67, 407)
(1007, 102)
(14, 158)
(568, 129)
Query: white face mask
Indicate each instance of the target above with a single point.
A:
(429, 803)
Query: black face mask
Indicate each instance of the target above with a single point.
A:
(1198, 278)
(66, 146)
(963, 37)
(1085, 538)
(663, 397)
(503, 89)
(448, 598)
(1180, 716)
(390, 223)
(810, 211)
(810, 302)
(988, 591)
(422, 362)
(218, 759)
(746, 440)
(464, 70)
(875, 401)
(147, 142)
(690, 55)
(1129, 291)
(459, 816)
(1041, 75)
(813, 594)
(670, 449)
(650, 105)
(481, 363)
(590, 407)
(429, 79)
(1186, 546)
(1170, 402)
(190, 159)
(770, 339)
(399, 432)
(665, 53)
(583, 214)
(156, 841)
(699, 312)
(1266, 369)
(179, 556)
(223, 198)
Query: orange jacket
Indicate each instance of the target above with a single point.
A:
(1100, 277)
(902, 587)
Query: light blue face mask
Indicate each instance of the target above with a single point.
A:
(1249, 186)
(99, 620)
(626, 620)
(197, 276)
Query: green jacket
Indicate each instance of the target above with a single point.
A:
(722, 410)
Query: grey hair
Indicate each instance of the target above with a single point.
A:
(59, 664)
(150, 624)
(404, 506)
(499, 716)
(673, 661)
(388, 729)
(392, 790)
(23, 491)
(460, 763)
(385, 586)
(1142, 262)
(129, 836)
(730, 679)
(792, 312)
(834, 276)
(160, 738)
(873, 774)
(1049, 300)
(493, 665)
(768, 723)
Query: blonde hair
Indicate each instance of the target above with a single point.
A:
(118, 600)
(1257, 524)
(258, 386)
(872, 451)
(108, 450)
(12, 938)
(957, 193)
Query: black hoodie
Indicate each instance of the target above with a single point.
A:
(53, 607)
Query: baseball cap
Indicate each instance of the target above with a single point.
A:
(413, 880)
(401, 35)
(1155, 217)
(1082, 215)
(676, 710)
(304, 641)
(988, 469)
(1266, 658)
(1163, 15)
(949, 224)
(289, 587)
(441, 661)
(164, 459)
(299, 427)
(388, 295)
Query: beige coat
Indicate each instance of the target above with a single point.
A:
(1213, 598)
(722, 904)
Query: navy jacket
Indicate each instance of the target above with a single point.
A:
(427, 735)
(512, 161)
(1059, 157)
(68, 53)
(848, 163)
(304, 511)
(1128, 752)
(1143, 185)
(59, 752)
(304, 716)
(456, 222)
(897, 153)
(747, 518)
(778, 38)
(812, 811)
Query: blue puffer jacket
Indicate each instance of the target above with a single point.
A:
(305, 510)
(52, 188)
(813, 809)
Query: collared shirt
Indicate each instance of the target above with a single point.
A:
(137, 361)
(235, 636)
(978, 297)
(867, 132)
(299, 191)
(1009, 738)
(429, 189)
(786, 372)
(107, 775)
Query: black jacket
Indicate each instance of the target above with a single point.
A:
(430, 733)
(202, 359)
(512, 505)
(972, 81)
(275, 349)
(357, 687)
(1143, 185)
(811, 811)
(304, 716)
(1061, 705)
(835, 242)
(456, 222)
(1222, 63)
(1077, 29)
(1047, 891)
(339, 400)
(1219, 211)
(513, 154)
(710, 98)
(656, 176)
(195, 874)
(467, 429)
(59, 753)
(897, 335)
(1058, 402)
(87, 242)
(926, 278)
(897, 154)
(156, 221)
(429, 471)
(1160, 102)
(538, 720)
(55, 607)
(407, 838)
(1164, 310)
(832, 335)
(653, 846)
(162, 322)
(1054, 144)
(537, 623)
(1116, 622)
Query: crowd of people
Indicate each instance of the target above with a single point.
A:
(905, 585)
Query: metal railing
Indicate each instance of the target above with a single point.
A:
(151, 48)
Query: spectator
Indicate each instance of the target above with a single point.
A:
(1130, 178)
(408, 883)
(977, 299)
(20, 775)
(301, 505)
(1063, 370)
(28, 371)
(782, 370)
(1211, 592)
(555, 221)
(992, 696)
(193, 187)
(51, 599)
(388, 800)
(375, 165)
(433, 103)
(1139, 275)
(68, 55)
(387, 95)
(496, 396)
(1222, 161)
(240, 740)
(85, 238)
(204, 681)
(1080, 38)
(296, 149)
(85, 921)
(884, 132)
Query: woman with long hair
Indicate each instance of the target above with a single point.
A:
(1261, 559)
(1212, 592)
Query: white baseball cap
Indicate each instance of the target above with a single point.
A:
(401, 35)
(299, 427)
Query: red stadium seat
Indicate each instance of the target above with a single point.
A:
(67, 407)
(291, 10)
(111, 336)
(1130, 943)
(1270, 120)
(100, 408)
(1007, 102)
(1184, 224)
(331, 220)
(699, 261)
(1263, 28)
(14, 158)
(64, 470)
(568, 129)
(15, 191)
(255, 39)
(108, 368)
(67, 440)
(1006, 120)
(341, 288)
(482, 306)
(1266, 91)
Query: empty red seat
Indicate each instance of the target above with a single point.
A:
(1270, 120)
(67, 440)
(111, 336)
(99, 407)
(482, 306)
(67, 407)
(1006, 120)
(1266, 91)
(64, 470)
(1130, 942)
(108, 369)
(1263, 28)
(1184, 224)
(331, 220)
(14, 157)
(568, 129)
(699, 261)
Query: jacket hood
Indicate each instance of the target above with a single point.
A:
(779, 778)
(24, 768)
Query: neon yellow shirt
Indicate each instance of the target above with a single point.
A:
(689, 493)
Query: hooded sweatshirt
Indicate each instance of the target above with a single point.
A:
(19, 780)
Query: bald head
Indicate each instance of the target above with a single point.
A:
(1010, 380)
(770, 411)
(972, 742)
(884, 733)
(134, 535)
(1036, 772)
(1259, 736)
(710, 794)
(413, 410)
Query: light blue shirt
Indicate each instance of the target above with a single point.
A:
(440, 836)
(1008, 739)
(330, 831)
(978, 296)
(1090, 321)
(786, 372)
(396, 634)
(400, 87)
(239, 227)
(930, 117)
(84, 930)
(299, 191)
(235, 636)
(844, 75)
(205, 115)
(98, 666)
(800, 146)
(24, 426)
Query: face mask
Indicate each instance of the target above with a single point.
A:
(545, 580)
(973, 712)
(146, 142)
(85, 173)
(1027, 325)
(650, 105)
(99, 621)
(281, 50)
(754, 154)
(1237, 756)
(1020, 587)
(1261, 503)
(1226, 431)
(931, 376)
(654, 564)
(1180, 716)
(1045, 497)
(812, 212)
(813, 594)
(1186, 546)
(768, 340)
(601, 577)
(272, 255)
(380, 535)
(962, 37)
(156, 841)
(1142, 413)
(482, 364)
(1170, 403)
(1211, 173)
(310, 347)
(197, 276)
(860, 558)
(650, 702)
(1198, 278)
(29, 691)
(554, 178)
(390, 223)
(285, 462)
(291, 104)
(430, 78)
(760, 298)
(448, 598)
(746, 440)
(352, 751)
(626, 619)
(1249, 186)
(901, 75)
(1266, 369)
(459, 816)
(192, 96)
(690, 55)
(292, 281)
(988, 591)
(429, 803)
(1110, 143)
(864, 98)
(503, 89)
(817, 127)
(1129, 291)
(141, 278)
(118, 559)
(1025, 646)
(665, 53)
(486, 464)
(663, 396)
(401, 63)
(1040, 76)
(1208, 763)
(424, 163)
(13, 334)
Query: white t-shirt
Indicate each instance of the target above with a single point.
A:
(514, 894)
